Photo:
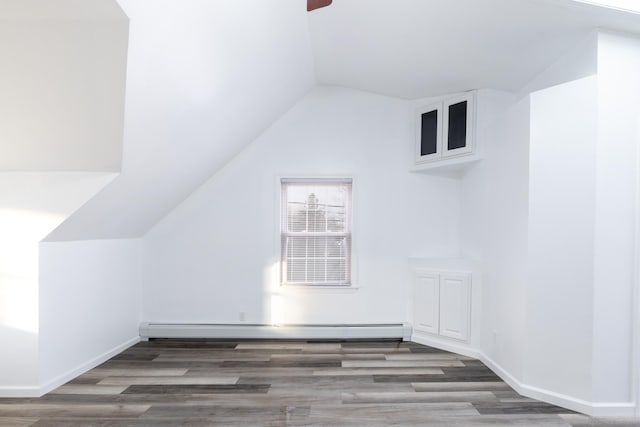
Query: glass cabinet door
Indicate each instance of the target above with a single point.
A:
(429, 132)
(457, 133)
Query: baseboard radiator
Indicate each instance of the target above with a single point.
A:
(303, 332)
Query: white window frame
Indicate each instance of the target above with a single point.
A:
(284, 234)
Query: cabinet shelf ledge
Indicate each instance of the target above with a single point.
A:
(455, 167)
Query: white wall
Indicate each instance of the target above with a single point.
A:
(616, 192)
(31, 206)
(62, 80)
(493, 226)
(496, 214)
(552, 228)
(559, 296)
(89, 305)
(216, 255)
(582, 232)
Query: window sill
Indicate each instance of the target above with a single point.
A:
(328, 289)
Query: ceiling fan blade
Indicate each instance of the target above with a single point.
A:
(317, 4)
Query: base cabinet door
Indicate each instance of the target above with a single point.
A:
(426, 300)
(442, 303)
(454, 306)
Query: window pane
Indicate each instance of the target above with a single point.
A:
(336, 270)
(316, 218)
(297, 218)
(336, 247)
(317, 246)
(315, 235)
(316, 270)
(336, 218)
(296, 270)
(316, 208)
(297, 247)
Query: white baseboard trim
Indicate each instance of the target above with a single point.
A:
(565, 401)
(67, 376)
(19, 392)
(308, 332)
(445, 344)
(595, 409)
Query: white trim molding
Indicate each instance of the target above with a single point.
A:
(595, 409)
(19, 392)
(42, 389)
(258, 331)
(73, 373)
(445, 344)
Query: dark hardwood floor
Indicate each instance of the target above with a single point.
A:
(274, 383)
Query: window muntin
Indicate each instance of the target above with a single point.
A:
(316, 232)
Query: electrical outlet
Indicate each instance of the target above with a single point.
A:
(242, 316)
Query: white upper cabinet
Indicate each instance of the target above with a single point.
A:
(445, 132)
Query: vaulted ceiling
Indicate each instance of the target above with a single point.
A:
(204, 78)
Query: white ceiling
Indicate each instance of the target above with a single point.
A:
(418, 48)
(205, 78)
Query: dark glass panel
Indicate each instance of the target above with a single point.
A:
(457, 126)
(429, 133)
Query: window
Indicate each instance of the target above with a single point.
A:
(315, 231)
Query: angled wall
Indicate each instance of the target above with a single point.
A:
(62, 76)
(582, 227)
(31, 205)
(494, 226)
(89, 305)
(617, 166)
(562, 204)
(559, 270)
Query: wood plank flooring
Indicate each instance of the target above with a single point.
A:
(274, 383)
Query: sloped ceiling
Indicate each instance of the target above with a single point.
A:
(62, 85)
(204, 79)
(418, 48)
(207, 77)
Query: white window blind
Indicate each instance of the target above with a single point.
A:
(316, 231)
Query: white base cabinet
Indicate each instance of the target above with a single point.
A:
(441, 303)
(426, 302)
